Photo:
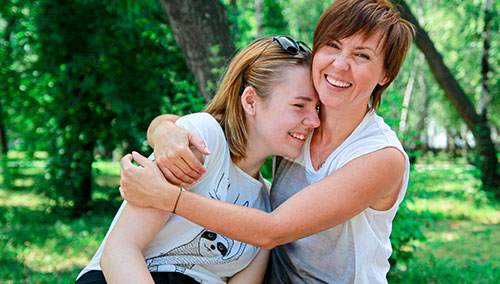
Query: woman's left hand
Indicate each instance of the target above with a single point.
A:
(145, 185)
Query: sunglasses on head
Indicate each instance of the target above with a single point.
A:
(288, 44)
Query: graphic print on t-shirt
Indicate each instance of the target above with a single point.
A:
(206, 248)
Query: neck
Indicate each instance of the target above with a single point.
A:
(255, 157)
(255, 150)
(335, 128)
(339, 125)
(251, 166)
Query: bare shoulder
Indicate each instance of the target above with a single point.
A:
(389, 165)
(390, 157)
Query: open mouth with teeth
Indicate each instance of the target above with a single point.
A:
(299, 137)
(336, 83)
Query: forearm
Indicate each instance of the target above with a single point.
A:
(248, 225)
(163, 119)
(254, 272)
(125, 264)
(122, 260)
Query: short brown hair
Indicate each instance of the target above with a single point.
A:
(345, 18)
(263, 75)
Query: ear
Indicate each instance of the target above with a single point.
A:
(383, 80)
(249, 100)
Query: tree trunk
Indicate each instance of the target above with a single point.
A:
(485, 66)
(407, 97)
(201, 30)
(8, 51)
(488, 162)
(83, 194)
(423, 110)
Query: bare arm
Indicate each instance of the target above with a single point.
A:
(254, 272)
(372, 180)
(172, 151)
(122, 260)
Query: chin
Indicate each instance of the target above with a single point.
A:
(293, 154)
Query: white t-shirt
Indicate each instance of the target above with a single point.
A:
(356, 251)
(184, 247)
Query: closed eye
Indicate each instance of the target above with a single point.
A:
(364, 56)
(299, 105)
(333, 44)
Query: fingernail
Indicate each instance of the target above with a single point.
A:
(206, 149)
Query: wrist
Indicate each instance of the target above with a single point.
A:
(168, 198)
(181, 190)
(155, 129)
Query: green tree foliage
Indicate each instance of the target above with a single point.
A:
(111, 67)
(18, 105)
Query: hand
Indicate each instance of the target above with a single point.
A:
(145, 185)
(173, 154)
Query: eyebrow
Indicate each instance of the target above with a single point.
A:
(366, 47)
(304, 98)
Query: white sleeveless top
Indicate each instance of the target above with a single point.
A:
(356, 251)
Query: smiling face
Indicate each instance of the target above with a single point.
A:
(346, 71)
(283, 119)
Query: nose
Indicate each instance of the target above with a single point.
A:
(340, 62)
(312, 119)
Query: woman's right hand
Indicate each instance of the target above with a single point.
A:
(173, 154)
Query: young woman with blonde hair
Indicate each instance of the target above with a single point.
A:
(271, 114)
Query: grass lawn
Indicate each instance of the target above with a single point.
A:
(461, 227)
(40, 243)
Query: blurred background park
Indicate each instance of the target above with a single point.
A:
(81, 80)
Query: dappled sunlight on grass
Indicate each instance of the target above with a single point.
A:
(461, 227)
(41, 244)
(25, 199)
(455, 209)
(463, 241)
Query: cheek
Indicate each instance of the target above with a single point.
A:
(317, 65)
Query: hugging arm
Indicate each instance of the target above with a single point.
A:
(372, 180)
(172, 150)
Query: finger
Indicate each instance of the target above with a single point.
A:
(189, 163)
(171, 178)
(179, 174)
(122, 193)
(126, 161)
(198, 143)
(140, 159)
(176, 164)
(193, 166)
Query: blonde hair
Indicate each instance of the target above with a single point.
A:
(263, 75)
(345, 18)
